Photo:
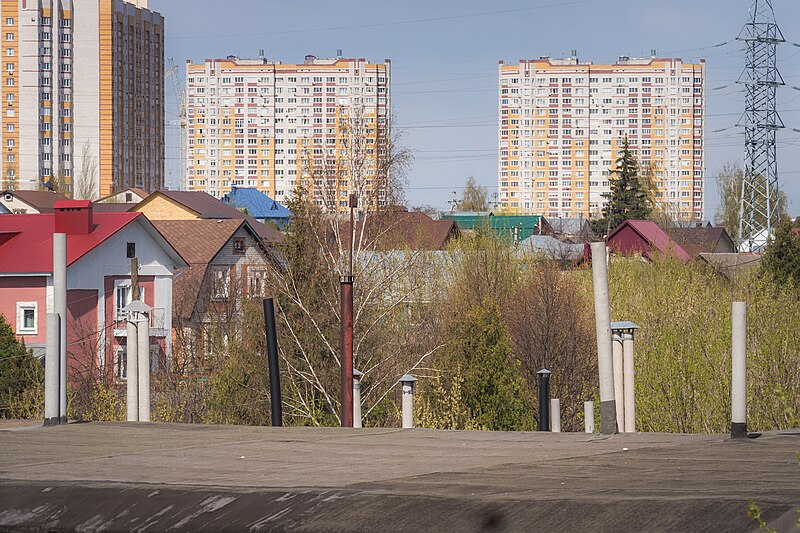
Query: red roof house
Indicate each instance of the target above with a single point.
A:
(644, 238)
(98, 281)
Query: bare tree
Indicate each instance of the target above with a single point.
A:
(86, 184)
(550, 324)
(474, 197)
(391, 308)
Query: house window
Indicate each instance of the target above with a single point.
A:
(220, 283)
(121, 362)
(27, 318)
(122, 297)
(238, 246)
(257, 282)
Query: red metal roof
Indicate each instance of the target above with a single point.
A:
(26, 245)
(653, 235)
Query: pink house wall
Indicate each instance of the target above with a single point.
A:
(24, 289)
(82, 330)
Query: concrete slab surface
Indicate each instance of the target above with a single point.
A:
(155, 477)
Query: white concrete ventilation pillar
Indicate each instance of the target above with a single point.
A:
(407, 383)
(588, 416)
(605, 365)
(555, 415)
(624, 374)
(132, 370)
(739, 371)
(619, 395)
(628, 385)
(51, 371)
(143, 360)
(357, 375)
(60, 308)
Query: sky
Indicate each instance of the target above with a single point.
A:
(445, 57)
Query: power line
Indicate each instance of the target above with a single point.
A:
(386, 24)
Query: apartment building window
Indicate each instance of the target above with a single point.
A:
(27, 315)
(9, 52)
(10, 82)
(9, 21)
(9, 36)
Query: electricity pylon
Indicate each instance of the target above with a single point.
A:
(759, 211)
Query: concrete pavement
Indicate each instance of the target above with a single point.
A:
(123, 476)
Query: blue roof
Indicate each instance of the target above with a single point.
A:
(257, 204)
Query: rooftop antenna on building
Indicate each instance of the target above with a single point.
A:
(758, 212)
(261, 53)
(574, 53)
(653, 52)
(339, 53)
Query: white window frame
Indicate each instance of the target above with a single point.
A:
(126, 283)
(21, 308)
(120, 368)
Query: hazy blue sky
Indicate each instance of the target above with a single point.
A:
(444, 65)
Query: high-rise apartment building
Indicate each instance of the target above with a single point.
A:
(323, 124)
(82, 95)
(561, 123)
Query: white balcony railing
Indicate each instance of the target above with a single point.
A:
(158, 326)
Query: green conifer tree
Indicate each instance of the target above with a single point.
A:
(629, 198)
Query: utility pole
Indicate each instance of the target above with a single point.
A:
(758, 212)
(346, 293)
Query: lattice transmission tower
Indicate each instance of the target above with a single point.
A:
(759, 211)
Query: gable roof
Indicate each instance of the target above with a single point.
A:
(141, 193)
(398, 229)
(42, 201)
(257, 203)
(198, 241)
(654, 236)
(26, 241)
(697, 240)
(205, 206)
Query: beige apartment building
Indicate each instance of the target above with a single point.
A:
(561, 122)
(323, 124)
(82, 95)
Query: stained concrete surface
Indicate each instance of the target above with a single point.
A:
(126, 476)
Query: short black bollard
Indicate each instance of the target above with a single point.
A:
(272, 360)
(544, 399)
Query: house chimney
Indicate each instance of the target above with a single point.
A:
(73, 217)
